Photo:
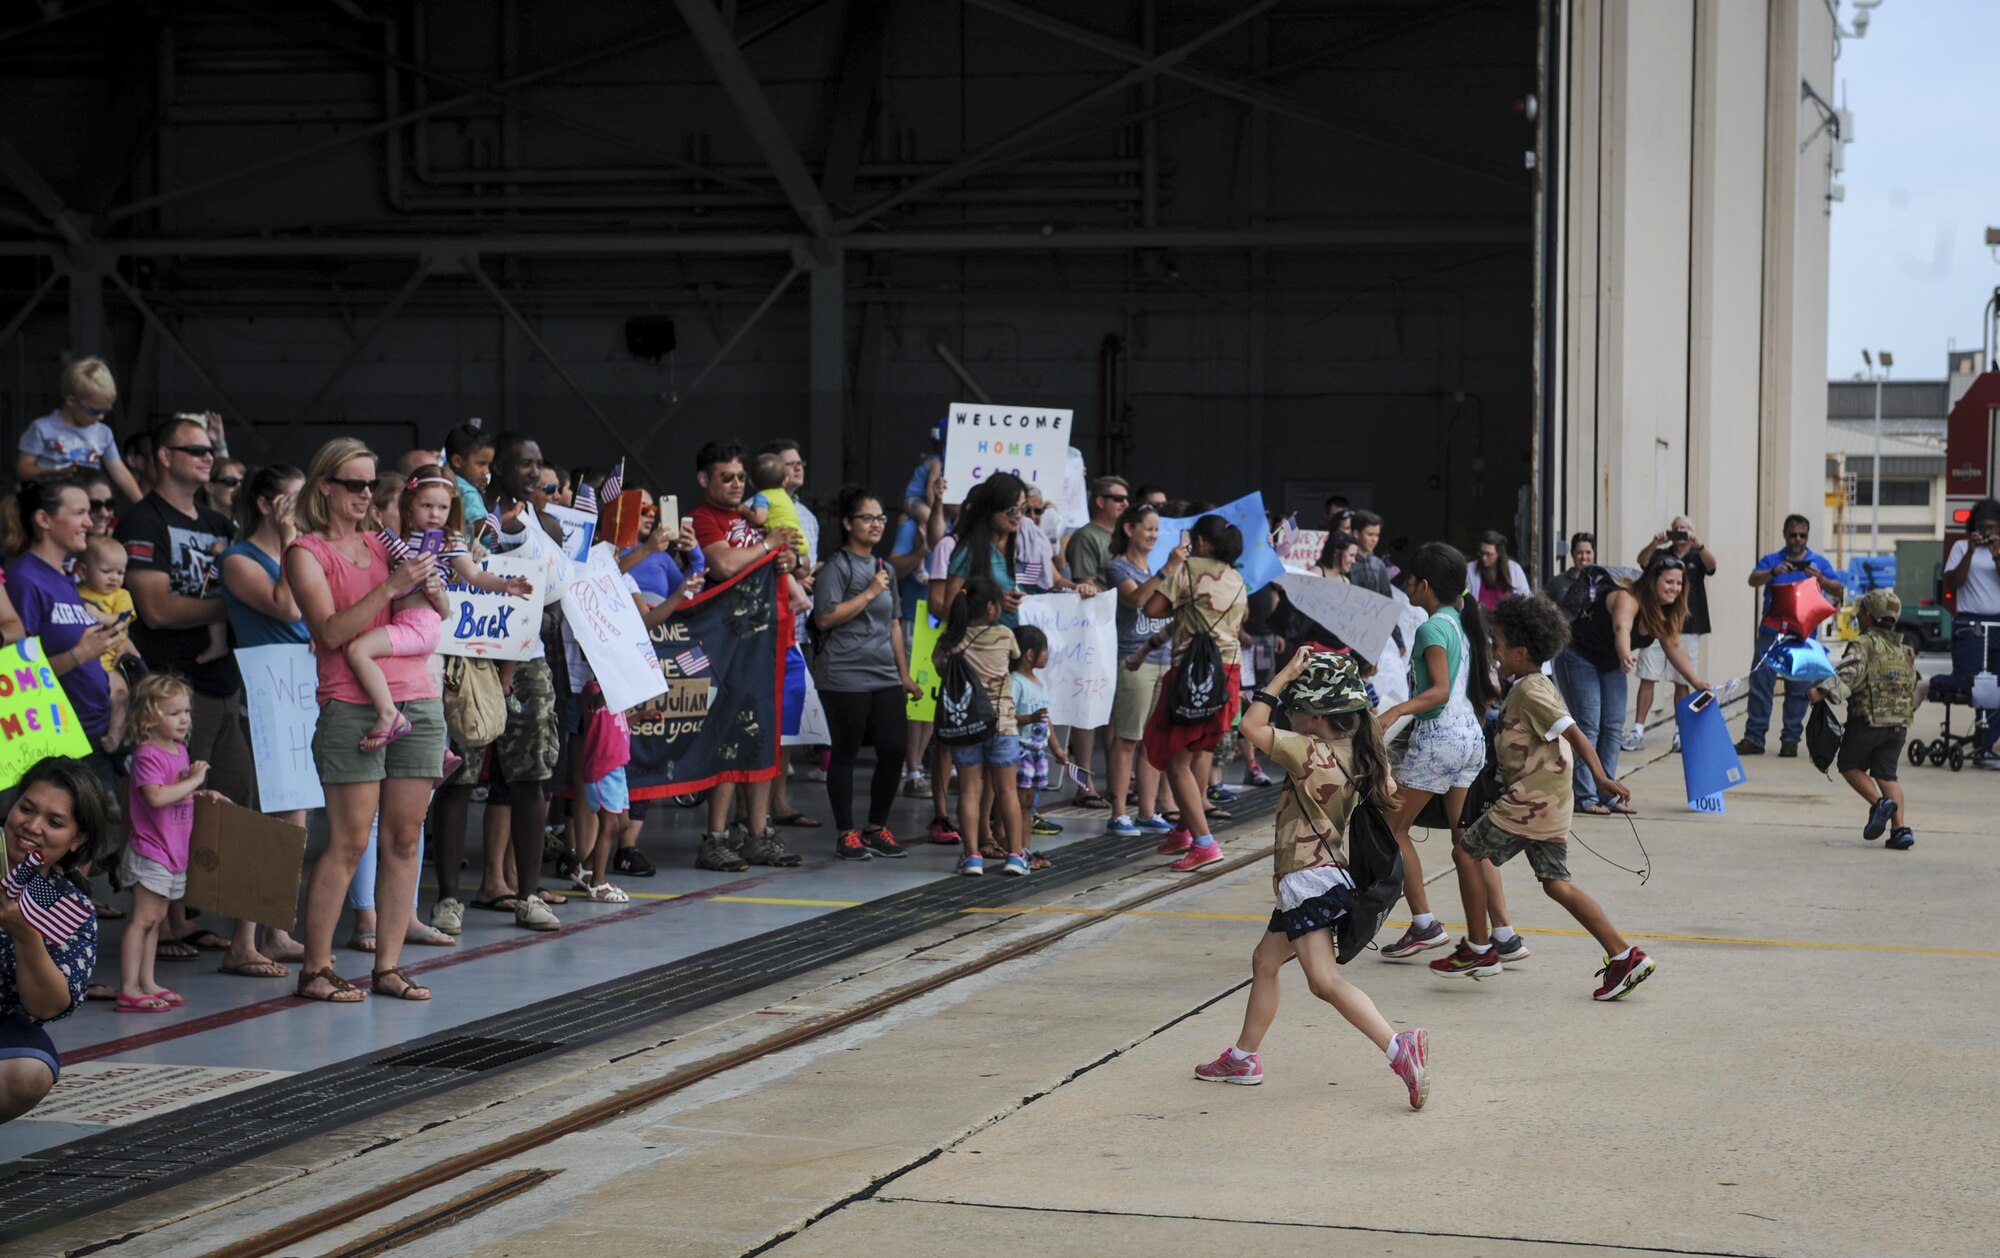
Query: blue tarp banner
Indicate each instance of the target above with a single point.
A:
(1259, 565)
(720, 718)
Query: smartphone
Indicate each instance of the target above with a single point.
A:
(1677, 535)
(1185, 535)
(431, 542)
(1701, 701)
(122, 618)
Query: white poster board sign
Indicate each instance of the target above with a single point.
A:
(813, 730)
(1083, 654)
(1361, 618)
(579, 530)
(598, 607)
(1029, 441)
(280, 693)
(497, 626)
(1075, 501)
(1302, 548)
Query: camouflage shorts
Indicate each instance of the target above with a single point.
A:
(529, 745)
(1548, 858)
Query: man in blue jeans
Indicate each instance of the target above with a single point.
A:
(1796, 562)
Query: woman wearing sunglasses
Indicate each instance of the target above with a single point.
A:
(339, 572)
(223, 481)
(1604, 647)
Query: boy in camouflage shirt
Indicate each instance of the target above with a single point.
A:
(1878, 680)
(1536, 749)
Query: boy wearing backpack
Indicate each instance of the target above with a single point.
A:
(1536, 748)
(1337, 776)
(1878, 679)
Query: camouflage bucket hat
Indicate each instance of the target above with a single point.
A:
(1883, 606)
(1330, 685)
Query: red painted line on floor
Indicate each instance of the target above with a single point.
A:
(527, 939)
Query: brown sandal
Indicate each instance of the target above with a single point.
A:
(337, 987)
(409, 988)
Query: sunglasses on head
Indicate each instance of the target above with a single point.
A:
(355, 486)
(195, 452)
(1668, 563)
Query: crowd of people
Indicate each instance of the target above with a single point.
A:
(139, 565)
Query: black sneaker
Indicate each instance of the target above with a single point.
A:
(883, 843)
(849, 847)
(568, 863)
(1902, 840)
(1788, 751)
(631, 862)
(1744, 747)
(1879, 816)
(1416, 940)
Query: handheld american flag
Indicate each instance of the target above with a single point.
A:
(54, 913)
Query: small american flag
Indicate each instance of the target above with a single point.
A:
(691, 662)
(54, 913)
(614, 484)
(586, 499)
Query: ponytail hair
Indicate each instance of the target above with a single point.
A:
(1442, 568)
(17, 521)
(1225, 540)
(974, 597)
(1372, 781)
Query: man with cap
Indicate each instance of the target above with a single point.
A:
(1878, 679)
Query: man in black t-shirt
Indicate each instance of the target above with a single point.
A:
(1678, 542)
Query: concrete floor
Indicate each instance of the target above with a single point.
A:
(1810, 1072)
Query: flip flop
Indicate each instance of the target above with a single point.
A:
(798, 821)
(206, 940)
(174, 950)
(257, 969)
(362, 941)
(99, 991)
(171, 996)
(108, 912)
(371, 743)
(1596, 810)
(1623, 810)
(431, 937)
(551, 897)
(142, 1004)
(498, 904)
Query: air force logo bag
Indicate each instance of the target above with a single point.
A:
(965, 714)
(1200, 688)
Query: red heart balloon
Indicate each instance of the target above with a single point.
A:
(1798, 608)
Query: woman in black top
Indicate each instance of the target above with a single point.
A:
(1604, 646)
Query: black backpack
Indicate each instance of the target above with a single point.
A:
(1375, 864)
(1583, 590)
(1201, 683)
(1823, 736)
(965, 714)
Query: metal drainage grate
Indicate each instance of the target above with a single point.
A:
(56, 1186)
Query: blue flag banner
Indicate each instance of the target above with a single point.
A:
(720, 719)
(1259, 565)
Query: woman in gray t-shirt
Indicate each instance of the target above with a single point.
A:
(862, 670)
(1144, 653)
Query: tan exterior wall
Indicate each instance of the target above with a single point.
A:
(1694, 247)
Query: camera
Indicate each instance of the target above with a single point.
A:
(1677, 535)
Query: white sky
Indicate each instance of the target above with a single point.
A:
(1909, 264)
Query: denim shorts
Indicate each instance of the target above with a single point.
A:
(21, 1036)
(1001, 751)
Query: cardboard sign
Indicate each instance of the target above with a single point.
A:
(1083, 654)
(244, 864)
(1303, 548)
(924, 634)
(598, 607)
(497, 626)
(1031, 442)
(36, 718)
(1259, 565)
(1361, 618)
(579, 530)
(280, 693)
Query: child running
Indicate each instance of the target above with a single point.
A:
(1333, 760)
(986, 769)
(1533, 814)
(1031, 715)
(160, 806)
(429, 504)
(1878, 679)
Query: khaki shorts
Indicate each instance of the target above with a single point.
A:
(135, 870)
(1653, 665)
(1548, 858)
(532, 741)
(1132, 702)
(418, 754)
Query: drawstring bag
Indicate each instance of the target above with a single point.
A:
(1199, 687)
(965, 712)
(1823, 736)
(1374, 866)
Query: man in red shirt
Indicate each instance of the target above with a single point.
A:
(731, 543)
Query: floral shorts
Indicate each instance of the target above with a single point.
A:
(1440, 755)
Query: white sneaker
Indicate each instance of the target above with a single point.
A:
(448, 916)
(1634, 740)
(531, 914)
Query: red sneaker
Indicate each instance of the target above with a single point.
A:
(1198, 855)
(1228, 1069)
(1620, 977)
(1412, 1064)
(943, 832)
(1465, 960)
(1178, 840)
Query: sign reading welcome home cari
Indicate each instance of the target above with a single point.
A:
(1031, 442)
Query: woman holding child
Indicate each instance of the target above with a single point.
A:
(340, 574)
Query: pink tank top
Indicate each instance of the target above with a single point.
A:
(408, 676)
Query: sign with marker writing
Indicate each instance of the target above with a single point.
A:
(598, 607)
(923, 645)
(1359, 617)
(497, 626)
(1259, 564)
(1083, 654)
(36, 718)
(280, 693)
(579, 530)
(1031, 442)
(1303, 547)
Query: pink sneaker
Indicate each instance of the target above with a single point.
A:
(1227, 1069)
(1198, 855)
(1178, 840)
(1412, 1064)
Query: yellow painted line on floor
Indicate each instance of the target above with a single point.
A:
(749, 899)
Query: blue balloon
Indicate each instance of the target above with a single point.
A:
(1801, 660)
